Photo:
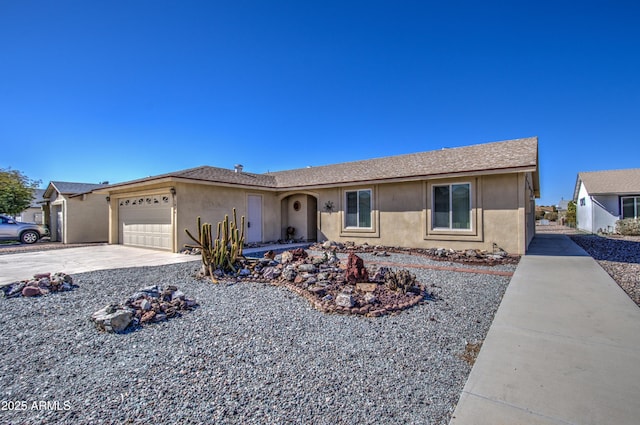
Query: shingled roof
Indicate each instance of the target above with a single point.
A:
(209, 174)
(507, 156)
(70, 188)
(619, 182)
(518, 154)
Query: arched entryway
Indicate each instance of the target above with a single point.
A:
(300, 213)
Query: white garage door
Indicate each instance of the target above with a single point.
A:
(146, 221)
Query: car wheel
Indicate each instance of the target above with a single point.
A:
(29, 237)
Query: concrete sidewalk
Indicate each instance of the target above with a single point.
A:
(564, 346)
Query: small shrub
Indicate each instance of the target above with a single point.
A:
(628, 227)
(401, 281)
(551, 216)
(571, 214)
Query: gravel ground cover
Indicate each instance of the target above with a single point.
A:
(251, 353)
(43, 245)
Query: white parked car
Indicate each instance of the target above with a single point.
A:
(11, 230)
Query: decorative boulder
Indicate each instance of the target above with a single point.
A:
(356, 271)
(112, 318)
(31, 291)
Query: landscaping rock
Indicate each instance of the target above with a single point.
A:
(299, 254)
(178, 295)
(270, 273)
(41, 284)
(380, 274)
(149, 305)
(286, 257)
(145, 305)
(366, 287)
(289, 273)
(31, 291)
(345, 300)
(306, 268)
(356, 272)
(369, 298)
(13, 290)
(112, 318)
(467, 256)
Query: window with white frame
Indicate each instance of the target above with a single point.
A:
(358, 208)
(452, 206)
(631, 207)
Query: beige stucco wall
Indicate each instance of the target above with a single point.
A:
(402, 215)
(31, 215)
(211, 203)
(503, 212)
(304, 219)
(85, 219)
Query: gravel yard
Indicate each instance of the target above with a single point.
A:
(42, 245)
(250, 353)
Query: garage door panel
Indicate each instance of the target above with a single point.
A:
(146, 222)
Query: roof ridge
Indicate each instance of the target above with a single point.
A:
(483, 145)
(609, 171)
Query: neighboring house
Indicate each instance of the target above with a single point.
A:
(480, 196)
(33, 214)
(74, 214)
(604, 197)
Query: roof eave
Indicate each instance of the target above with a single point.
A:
(116, 188)
(469, 173)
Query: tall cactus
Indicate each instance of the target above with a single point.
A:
(223, 252)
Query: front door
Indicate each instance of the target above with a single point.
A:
(254, 219)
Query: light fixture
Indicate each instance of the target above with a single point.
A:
(172, 190)
(108, 198)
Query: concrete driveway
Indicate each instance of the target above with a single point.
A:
(24, 265)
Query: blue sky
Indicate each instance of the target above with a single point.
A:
(118, 90)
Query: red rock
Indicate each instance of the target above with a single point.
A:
(31, 291)
(148, 316)
(356, 272)
(299, 254)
